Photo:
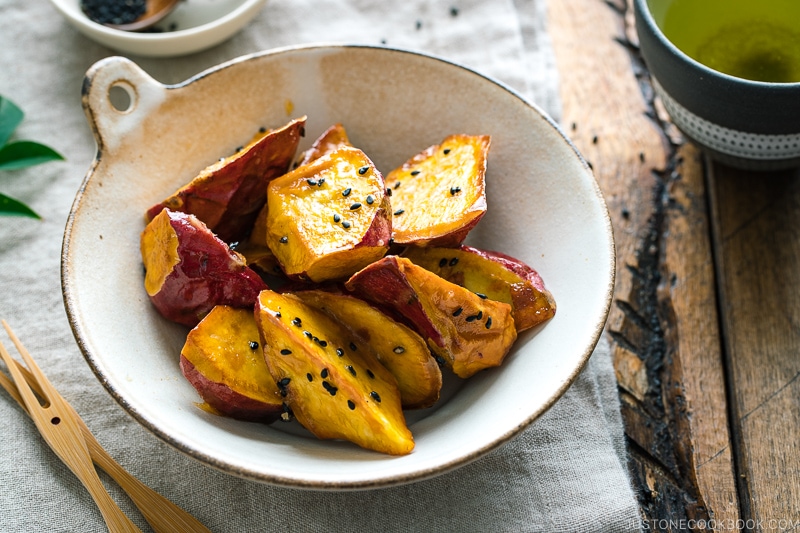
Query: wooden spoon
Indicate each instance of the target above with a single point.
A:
(155, 10)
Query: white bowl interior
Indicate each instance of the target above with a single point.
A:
(544, 208)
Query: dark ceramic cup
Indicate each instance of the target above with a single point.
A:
(748, 124)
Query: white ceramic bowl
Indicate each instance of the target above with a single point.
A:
(199, 24)
(544, 207)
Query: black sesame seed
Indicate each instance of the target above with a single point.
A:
(472, 318)
(440, 360)
(351, 405)
(232, 246)
(339, 352)
(308, 334)
(594, 139)
(454, 190)
(399, 212)
(415, 172)
(370, 199)
(351, 369)
(396, 185)
(353, 346)
(320, 182)
(347, 191)
(239, 148)
(284, 239)
(388, 192)
(355, 206)
(282, 383)
(253, 345)
(458, 311)
(454, 261)
(443, 262)
(479, 315)
(262, 129)
(324, 373)
(346, 225)
(337, 218)
(399, 349)
(297, 322)
(286, 351)
(312, 182)
(287, 414)
(375, 396)
(419, 24)
(481, 295)
(363, 170)
(330, 388)
(370, 374)
(453, 11)
(278, 314)
(446, 151)
(309, 377)
(488, 322)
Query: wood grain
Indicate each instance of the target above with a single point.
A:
(664, 324)
(757, 242)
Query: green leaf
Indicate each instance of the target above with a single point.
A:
(22, 154)
(11, 207)
(10, 118)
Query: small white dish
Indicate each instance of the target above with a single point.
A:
(198, 24)
(544, 207)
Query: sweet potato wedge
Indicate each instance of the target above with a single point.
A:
(331, 140)
(329, 218)
(466, 332)
(334, 386)
(496, 275)
(188, 270)
(223, 361)
(439, 195)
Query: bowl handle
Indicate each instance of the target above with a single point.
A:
(117, 94)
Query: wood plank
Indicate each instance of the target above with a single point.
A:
(757, 242)
(663, 324)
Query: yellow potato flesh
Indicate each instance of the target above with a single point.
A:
(220, 348)
(335, 387)
(328, 231)
(439, 191)
(159, 248)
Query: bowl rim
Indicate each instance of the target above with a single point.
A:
(593, 337)
(165, 37)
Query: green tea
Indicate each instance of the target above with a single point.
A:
(752, 39)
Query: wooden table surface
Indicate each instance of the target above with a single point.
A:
(705, 324)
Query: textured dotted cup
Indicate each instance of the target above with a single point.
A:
(747, 124)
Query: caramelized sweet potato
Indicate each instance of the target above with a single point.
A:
(331, 140)
(497, 276)
(439, 195)
(334, 386)
(466, 332)
(329, 218)
(223, 361)
(227, 195)
(188, 270)
(400, 349)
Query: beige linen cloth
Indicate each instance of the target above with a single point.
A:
(567, 472)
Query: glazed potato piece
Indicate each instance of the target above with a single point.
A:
(188, 270)
(329, 218)
(335, 387)
(466, 332)
(223, 361)
(439, 195)
(331, 140)
(496, 275)
(399, 348)
(228, 195)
